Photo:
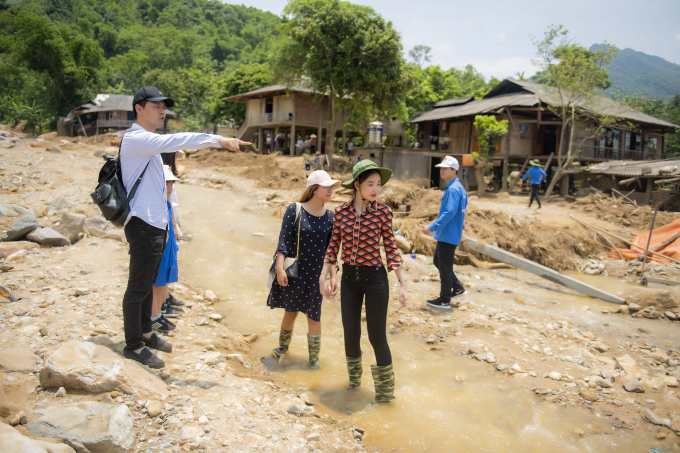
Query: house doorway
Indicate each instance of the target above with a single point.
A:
(549, 139)
(434, 171)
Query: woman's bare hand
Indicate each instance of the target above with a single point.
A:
(281, 277)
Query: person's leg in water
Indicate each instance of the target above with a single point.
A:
(286, 334)
(376, 322)
(314, 342)
(352, 299)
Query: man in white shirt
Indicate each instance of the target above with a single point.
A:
(147, 224)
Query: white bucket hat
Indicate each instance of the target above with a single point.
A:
(321, 178)
(168, 174)
(450, 162)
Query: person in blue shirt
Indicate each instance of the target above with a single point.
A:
(448, 231)
(537, 176)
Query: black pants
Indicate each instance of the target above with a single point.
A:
(534, 194)
(147, 244)
(357, 282)
(443, 260)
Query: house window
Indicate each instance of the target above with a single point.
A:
(652, 144)
(633, 141)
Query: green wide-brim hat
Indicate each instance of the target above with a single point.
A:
(366, 165)
(534, 163)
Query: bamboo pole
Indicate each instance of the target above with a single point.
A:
(624, 197)
(649, 241)
(622, 240)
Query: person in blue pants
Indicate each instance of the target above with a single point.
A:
(537, 176)
(448, 231)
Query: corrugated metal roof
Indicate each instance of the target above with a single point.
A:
(633, 167)
(263, 91)
(476, 107)
(449, 102)
(107, 103)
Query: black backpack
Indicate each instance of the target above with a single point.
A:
(110, 194)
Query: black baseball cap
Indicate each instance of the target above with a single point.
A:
(151, 94)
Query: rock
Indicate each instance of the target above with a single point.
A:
(658, 357)
(59, 205)
(308, 401)
(670, 315)
(71, 225)
(97, 369)
(632, 385)
(216, 317)
(17, 419)
(48, 237)
(213, 358)
(633, 308)
(663, 299)
(210, 296)
(655, 419)
(53, 149)
(21, 359)
(604, 383)
(630, 366)
(671, 381)
(517, 368)
(314, 437)
(61, 393)
(202, 321)
(20, 228)
(555, 376)
(203, 420)
(81, 292)
(12, 441)
(95, 426)
(99, 153)
(192, 432)
(600, 347)
(625, 309)
(95, 222)
(587, 395)
(153, 409)
(117, 235)
(237, 357)
(8, 248)
(297, 409)
(6, 210)
(112, 151)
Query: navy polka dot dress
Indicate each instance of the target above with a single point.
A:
(302, 293)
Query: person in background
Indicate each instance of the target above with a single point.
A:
(304, 237)
(358, 226)
(312, 143)
(167, 309)
(448, 231)
(298, 146)
(168, 271)
(317, 160)
(267, 149)
(537, 176)
(350, 149)
(147, 223)
(360, 158)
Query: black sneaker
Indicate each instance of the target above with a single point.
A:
(439, 303)
(458, 293)
(169, 312)
(145, 357)
(162, 325)
(172, 301)
(157, 343)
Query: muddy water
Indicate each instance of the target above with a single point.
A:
(444, 403)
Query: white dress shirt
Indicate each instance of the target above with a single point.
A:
(140, 147)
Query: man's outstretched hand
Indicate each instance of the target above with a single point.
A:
(232, 143)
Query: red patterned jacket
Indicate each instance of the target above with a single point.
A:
(360, 236)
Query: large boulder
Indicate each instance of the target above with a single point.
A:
(118, 235)
(48, 237)
(18, 359)
(58, 205)
(663, 299)
(95, 222)
(629, 365)
(71, 224)
(20, 210)
(88, 426)
(6, 210)
(7, 248)
(12, 441)
(20, 228)
(97, 369)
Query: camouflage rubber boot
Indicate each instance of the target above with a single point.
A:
(383, 377)
(284, 341)
(355, 369)
(314, 344)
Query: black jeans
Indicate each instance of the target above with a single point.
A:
(357, 282)
(534, 194)
(443, 260)
(147, 244)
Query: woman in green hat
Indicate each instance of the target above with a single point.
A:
(537, 176)
(358, 226)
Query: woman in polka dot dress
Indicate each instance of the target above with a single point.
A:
(302, 294)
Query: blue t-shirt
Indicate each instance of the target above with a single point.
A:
(449, 225)
(537, 175)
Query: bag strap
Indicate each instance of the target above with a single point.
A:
(298, 214)
(134, 187)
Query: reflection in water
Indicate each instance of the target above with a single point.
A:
(444, 403)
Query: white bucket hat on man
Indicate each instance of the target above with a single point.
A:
(321, 178)
(450, 162)
(168, 174)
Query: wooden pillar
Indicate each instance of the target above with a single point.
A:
(648, 192)
(506, 158)
(319, 139)
(344, 140)
(293, 138)
(276, 132)
(260, 140)
(564, 186)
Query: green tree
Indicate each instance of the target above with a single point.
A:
(420, 54)
(575, 77)
(672, 115)
(489, 132)
(241, 80)
(345, 51)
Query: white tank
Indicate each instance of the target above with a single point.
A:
(375, 130)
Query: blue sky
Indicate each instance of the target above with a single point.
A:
(494, 35)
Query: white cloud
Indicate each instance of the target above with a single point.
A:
(501, 36)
